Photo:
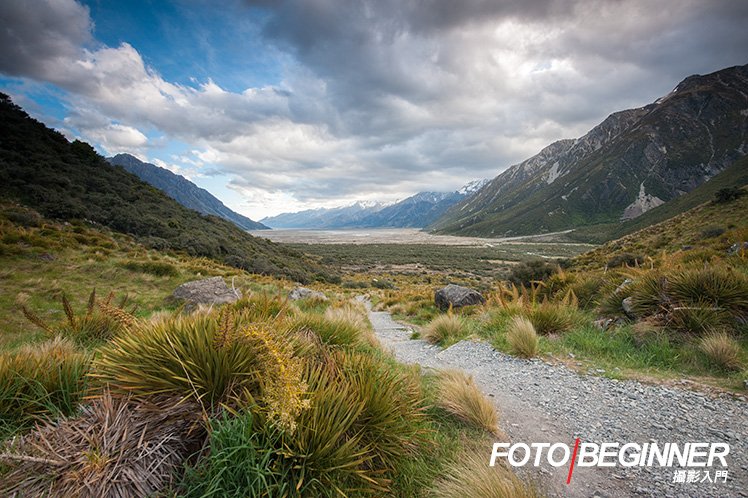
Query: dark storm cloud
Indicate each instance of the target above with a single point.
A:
(32, 35)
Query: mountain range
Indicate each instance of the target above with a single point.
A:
(182, 190)
(631, 163)
(416, 211)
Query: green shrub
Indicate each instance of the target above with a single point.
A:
(528, 272)
(551, 318)
(213, 359)
(157, 268)
(625, 259)
(40, 380)
(649, 294)
(721, 287)
(711, 232)
(728, 194)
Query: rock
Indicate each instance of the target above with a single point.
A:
(457, 296)
(207, 291)
(736, 247)
(304, 293)
(686, 248)
(46, 257)
(603, 323)
(628, 308)
(623, 286)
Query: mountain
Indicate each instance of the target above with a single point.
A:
(632, 162)
(71, 182)
(182, 190)
(416, 211)
(339, 217)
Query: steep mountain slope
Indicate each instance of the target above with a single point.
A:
(182, 190)
(632, 162)
(416, 211)
(70, 181)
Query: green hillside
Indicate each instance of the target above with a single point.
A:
(70, 181)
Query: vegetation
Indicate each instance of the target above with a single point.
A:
(461, 398)
(522, 337)
(70, 181)
(445, 330)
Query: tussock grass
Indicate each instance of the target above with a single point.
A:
(722, 351)
(445, 329)
(214, 359)
(332, 330)
(551, 318)
(116, 447)
(522, 337)
(263, 306)
(40, 380)
(460, 397)
(470, 475)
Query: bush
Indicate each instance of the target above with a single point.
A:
(528, 272)
(722, 351)
(649, 294)
(712, 232)
(522, 337)
(551, 318)
(700, 318)
(213, 359)
(728, 194)
(445, 329)
(263, 306)
(157, 268)
(625, 259)
(461, 398)
(720, 287)
(40, 380)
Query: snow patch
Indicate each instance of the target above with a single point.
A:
(553, 174)
(643, 203)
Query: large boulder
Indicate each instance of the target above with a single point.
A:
(304, 293)
(207, 291)
(457, 296)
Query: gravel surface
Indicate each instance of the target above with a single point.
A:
(540, 402)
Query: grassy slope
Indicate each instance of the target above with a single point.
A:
(67, 181)
(39, 263)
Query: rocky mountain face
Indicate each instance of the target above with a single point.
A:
(416, 211)
(634, 161)
(182, 190)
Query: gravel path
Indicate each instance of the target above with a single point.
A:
(540, 402)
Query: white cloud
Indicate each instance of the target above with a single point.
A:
(382, 98)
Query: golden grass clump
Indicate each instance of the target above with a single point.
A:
(40, 380)
(722, 350)
(445, 329)
(522, 337)
(470, 475)
(117, 447)
(214, 359)
(460, 397)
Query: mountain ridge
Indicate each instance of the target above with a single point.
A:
(631, 162)
(183, 191)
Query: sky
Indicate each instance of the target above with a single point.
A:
(282, 105)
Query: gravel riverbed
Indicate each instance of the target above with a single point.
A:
(540, 402)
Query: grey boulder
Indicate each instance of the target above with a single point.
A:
(207, 291)
(457, 296)
(304, 293)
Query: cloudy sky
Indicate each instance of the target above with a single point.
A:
(281, 105)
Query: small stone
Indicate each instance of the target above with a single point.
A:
(304, 293)
(628, 308)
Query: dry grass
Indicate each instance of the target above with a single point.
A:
(459, 396)
(722, 350)
(116, 448)
(470, 475)
(444, 329)
(522, 338)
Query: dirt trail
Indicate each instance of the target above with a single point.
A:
(539, 402)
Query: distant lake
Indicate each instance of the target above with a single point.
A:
(389, 236)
